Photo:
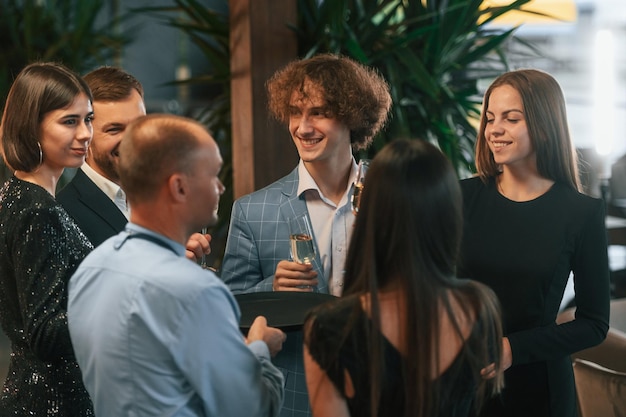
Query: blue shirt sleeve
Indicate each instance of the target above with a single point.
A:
(231, 378)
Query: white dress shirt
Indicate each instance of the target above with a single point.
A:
(108, 187)
(332, 225)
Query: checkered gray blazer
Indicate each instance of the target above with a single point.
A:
(258, 238)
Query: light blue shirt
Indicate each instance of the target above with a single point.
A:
(156, 335)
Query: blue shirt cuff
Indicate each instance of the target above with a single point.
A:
(260, 349)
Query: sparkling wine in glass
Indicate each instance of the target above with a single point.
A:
(301, 239)
(358, 184)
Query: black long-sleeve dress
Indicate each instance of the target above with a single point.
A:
(40, 248)
(525, 251)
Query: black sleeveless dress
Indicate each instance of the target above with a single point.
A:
(326, 344)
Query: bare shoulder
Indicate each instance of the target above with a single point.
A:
(468, 304)
(459, 318)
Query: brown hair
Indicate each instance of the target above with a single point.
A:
(546, 119)
(354, 94)
(153, 148)
(112, 84)
(38, 89)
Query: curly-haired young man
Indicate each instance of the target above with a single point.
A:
(331, 105)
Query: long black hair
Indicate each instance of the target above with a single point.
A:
(407, 236)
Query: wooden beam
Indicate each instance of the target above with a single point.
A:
(260, 43)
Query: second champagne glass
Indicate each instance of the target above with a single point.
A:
(203, 260)
(358, 184)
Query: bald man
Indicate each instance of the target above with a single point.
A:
(155, 334)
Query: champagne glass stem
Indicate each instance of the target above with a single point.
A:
(203, 261)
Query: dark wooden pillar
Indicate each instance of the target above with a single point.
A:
(260, 43)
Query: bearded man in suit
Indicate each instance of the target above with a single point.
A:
(94, 197)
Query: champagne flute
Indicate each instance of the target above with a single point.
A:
(203, 260)
(301, 239)
(358, 184)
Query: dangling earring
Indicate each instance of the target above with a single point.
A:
(40, 153)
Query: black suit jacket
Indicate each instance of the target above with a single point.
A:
(94, 212)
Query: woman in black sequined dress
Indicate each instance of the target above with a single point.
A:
(46, 127)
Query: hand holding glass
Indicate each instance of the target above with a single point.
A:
(301, 239)
(358, 184)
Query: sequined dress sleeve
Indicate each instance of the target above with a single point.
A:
(40, 248)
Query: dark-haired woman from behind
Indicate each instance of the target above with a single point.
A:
(408, 338)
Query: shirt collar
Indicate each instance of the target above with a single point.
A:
(132, 228)
(111, 189)
(306, 181)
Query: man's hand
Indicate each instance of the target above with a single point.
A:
(198, 245)
(292, 276)
(274, 338)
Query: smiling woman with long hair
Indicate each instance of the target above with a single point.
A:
(408, 338)
(46, 127)
(527, 228)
